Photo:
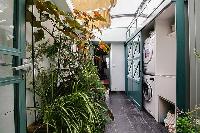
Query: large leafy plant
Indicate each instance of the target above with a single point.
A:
(189, 122)
(72, 96)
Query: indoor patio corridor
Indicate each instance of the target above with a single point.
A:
(128, 119)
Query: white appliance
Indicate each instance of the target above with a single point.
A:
(149, 94)
(149, 54)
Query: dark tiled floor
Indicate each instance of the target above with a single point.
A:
(128, 119)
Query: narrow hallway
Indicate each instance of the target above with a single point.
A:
(128, 119)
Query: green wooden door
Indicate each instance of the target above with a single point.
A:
(134, 70)
(12, 85)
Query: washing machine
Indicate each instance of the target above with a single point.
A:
(149, 52)
(149, 96)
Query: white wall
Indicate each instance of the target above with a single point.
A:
(29, 94)
(117, 66)
(112, 35)
(165, 49)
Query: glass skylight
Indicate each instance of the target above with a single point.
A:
(125, 8)
(128, 8)
(151, 6)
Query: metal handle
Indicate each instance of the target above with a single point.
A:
(23, 67)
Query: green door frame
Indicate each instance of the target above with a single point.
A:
(182, 64)
(18, 52)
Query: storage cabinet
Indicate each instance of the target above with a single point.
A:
(158, 46)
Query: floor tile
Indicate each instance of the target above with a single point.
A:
(128, 118)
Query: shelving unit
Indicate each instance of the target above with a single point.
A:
(164, 62)
(165, 106)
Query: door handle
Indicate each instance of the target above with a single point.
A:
(23, 67)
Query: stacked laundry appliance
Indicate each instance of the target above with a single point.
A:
(149, 73)
(159, 68)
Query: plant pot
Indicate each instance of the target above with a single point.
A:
(38, 128)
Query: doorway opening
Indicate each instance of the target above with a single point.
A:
(102, 61)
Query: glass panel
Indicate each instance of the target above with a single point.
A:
(136, 70)
(136, 49)
(130, 86)
(130, 56)
(6, 23)
(7, 124)
(140, 21)
(133, 28)
(130, 69)
(6, 64)
(152, 5)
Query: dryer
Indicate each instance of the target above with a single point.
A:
(149, 52)
(149, 95)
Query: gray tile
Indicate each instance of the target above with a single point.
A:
(143, 128)
(128, 118)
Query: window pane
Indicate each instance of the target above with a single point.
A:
(7, 124)
(6, 65)
(6, 23)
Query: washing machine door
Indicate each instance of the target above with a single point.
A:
(147, 91)
(149, 94)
